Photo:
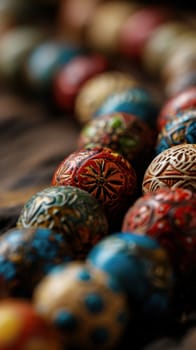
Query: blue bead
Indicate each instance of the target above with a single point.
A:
(135, 101)
(94, 303)
(119, 255)
(66, 320)
(46, 59)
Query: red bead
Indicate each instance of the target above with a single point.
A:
(168, 215)
(105, 174)
(138, 28)
(183, 101)
(73, 75)
(21, 327)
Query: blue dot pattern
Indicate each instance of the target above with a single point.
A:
(99, 336)
(66, 320)
(94, 303)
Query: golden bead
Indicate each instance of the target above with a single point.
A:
(97, 89)
(103, 32)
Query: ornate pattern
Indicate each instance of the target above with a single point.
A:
(168, 215)
(184, 101)
(182, 129)
(175, 167)
(123, 133)
(105, 174)
(89, 309)
(69, 210)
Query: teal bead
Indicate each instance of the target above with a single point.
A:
(136, 100)
(46, 60)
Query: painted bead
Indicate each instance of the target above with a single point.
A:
(45, 60)
(140, 265)
(160, 45)
(168, 215)
(181, 129)
(22, 328)
(123, 133)
(69, 210)
(87, 306)
(183, 101)
(13, 56)
(72, 76)
(137, 29)
(172, 168)
(103, 173)
(103, 30)
(26, 255)
(96, 90)
(135, 100)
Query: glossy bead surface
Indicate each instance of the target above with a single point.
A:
(135, 100)
(26, 255)
(69, 210)
(180, 83)
(168, 215)
(172, 168)
(137, 29)
(123, 133)
(181, 129)
(97, 89)
(87, 307)
(22, 328)
(45, 60)
(103, 30)
(72, 76)
(103, 173)
(13, 56)
(183, 101)
(139, 264)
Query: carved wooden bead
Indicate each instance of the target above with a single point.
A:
(105, 174)
(172, 168)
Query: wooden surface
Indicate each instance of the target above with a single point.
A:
(33, 140)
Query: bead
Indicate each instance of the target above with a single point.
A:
(29, 252)
(181, 102)
(96, 90)
(160, 45)
(138, 263)
(167, 215)
(87, 312)
(69, 210)
(182, 60)
(180, 83)
(72, 76)
(174, 167)
(181, 129)
(103, 173)
(22, 328)
(137, 29)
(45, 60)
(103, 30)
(135, 100)
(13, 56)
(74, 15)
(123, 133)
